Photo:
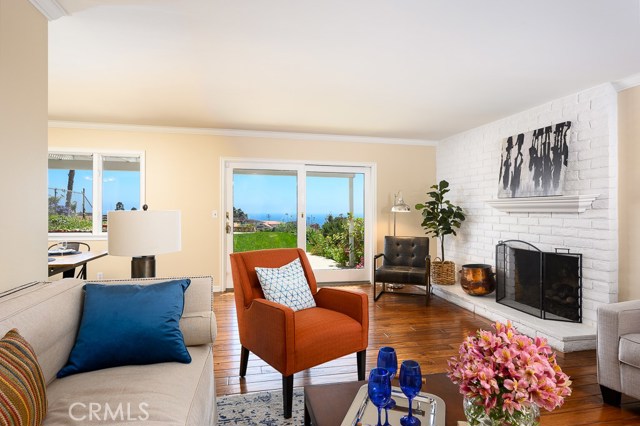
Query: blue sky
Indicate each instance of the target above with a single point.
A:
(258, 195)
(117, 186)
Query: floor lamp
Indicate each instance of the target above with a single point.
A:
(399, 206)
(142, 235)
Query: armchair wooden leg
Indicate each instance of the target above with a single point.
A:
(244, 360)
(287, 395)
(610, 396)
(362, 363)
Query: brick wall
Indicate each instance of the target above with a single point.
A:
(470, 161)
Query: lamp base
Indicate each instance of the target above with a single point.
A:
(143, 267)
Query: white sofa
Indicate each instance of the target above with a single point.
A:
(47, 315)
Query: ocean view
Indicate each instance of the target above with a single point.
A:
(312, 218)
(273, 196)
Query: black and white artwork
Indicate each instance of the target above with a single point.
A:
(533, 164)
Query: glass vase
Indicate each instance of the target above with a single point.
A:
(477, 416)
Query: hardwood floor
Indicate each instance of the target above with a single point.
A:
(428, 333)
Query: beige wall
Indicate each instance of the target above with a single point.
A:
(23, 136)
(183, 172)
(629, 193)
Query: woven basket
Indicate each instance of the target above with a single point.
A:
(443, 273)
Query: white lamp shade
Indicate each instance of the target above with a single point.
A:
(143, 233)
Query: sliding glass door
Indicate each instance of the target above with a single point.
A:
(319, 208)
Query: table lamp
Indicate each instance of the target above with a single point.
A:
(399, 206)
(142, 235)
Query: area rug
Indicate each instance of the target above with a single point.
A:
(259, 409)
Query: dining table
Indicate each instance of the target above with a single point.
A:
(67, 263)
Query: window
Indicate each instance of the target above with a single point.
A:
(84, 186)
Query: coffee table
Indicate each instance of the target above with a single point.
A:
(326, 405)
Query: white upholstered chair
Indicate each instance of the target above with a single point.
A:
(618, 350)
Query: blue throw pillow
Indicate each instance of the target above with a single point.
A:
(129, 325)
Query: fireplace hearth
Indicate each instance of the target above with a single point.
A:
(544, 284)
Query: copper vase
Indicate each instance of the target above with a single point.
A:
(477, 279)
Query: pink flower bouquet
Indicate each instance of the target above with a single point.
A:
(503, 375)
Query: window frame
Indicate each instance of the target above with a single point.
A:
(97, 173)
(229, 164)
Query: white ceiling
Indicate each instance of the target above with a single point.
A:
(421, 69)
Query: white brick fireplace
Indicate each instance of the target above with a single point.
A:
(471, 161)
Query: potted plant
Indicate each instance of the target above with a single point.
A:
(441, 218)
(506, 377)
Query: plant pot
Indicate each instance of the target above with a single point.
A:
(443, 272)
(477, 279)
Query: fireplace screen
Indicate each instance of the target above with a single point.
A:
(545, 284)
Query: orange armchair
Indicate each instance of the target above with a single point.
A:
(294, 341)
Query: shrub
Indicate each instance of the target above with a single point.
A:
(315, 241)
(332, 240)
(63, 223)
(289, 227)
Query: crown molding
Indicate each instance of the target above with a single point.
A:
(239, 133)
(627, 82)
(51, 9)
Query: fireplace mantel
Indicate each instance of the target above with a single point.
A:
(555, 204)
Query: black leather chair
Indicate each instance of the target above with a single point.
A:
(406, 260)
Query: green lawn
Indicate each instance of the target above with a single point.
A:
(263, 240)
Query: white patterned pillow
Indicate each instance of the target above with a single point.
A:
(286, 285)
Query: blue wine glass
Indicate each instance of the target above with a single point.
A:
(388, 360)
(379, 389)
(410, 383)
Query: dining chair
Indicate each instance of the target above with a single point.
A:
(75, 245)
